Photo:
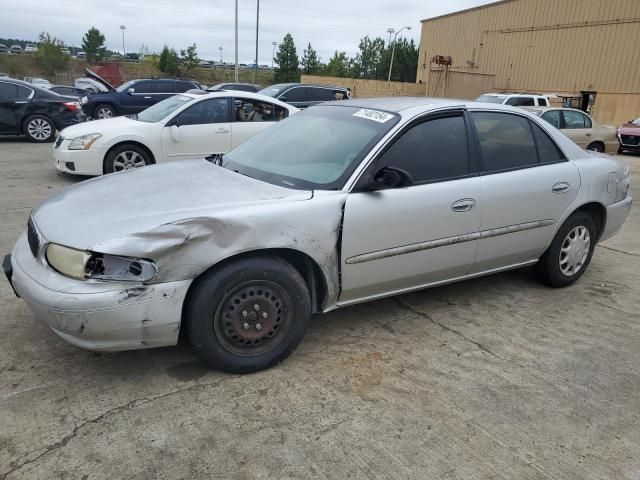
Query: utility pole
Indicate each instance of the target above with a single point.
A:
(236, 69)
(393, 50)
(220, 49)
(255, 74)
(123, 28)
(273, 54)
(390, 32)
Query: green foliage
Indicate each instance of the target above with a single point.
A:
(310, 61)
(405, 62)
(339, 65)
(93, 46)
(172, 67)
(189, 57)
(367, 62)
(49, 56)
(162, 60)
(287, 59)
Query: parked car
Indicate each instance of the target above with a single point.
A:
(3, 48)
(68, 91)
(41, 82)
(30, 48)
(580, 128)
(515, 99)
(343, 203)
(90, 85)
(629, 136)
(81, 54)
(66, 51)
(132, 57)
(204, 64)
(131, 97)
(16, 49)
(26, 109)
(181, 127)
(243, 87)
(303, 95)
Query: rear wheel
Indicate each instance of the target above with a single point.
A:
(569, 254)
(596, 147)
(39, 128)
(104, 110)
(248, 315)
(126, 157)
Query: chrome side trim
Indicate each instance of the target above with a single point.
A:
(443, 242)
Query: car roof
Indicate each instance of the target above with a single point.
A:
(286, 85)
(231, 93)
(512, 94)
(19, 82)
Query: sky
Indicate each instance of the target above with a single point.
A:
(329, 25)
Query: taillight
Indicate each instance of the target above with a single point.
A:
(73, 106)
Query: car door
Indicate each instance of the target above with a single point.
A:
(296, 96)
(14, 102)
(527, 186)
(200, 130)
(404, 238)
(577, 126)
(141, 98)
(250, 117)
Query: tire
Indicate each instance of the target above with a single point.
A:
(39, 129)
(126, 157)
(620, 150)
(104, 110)
(596, 147)
(247, 315)
(555, 266)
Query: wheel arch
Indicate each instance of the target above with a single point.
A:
(598, 213)
(127, 142)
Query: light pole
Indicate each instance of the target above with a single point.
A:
(255, 74)
(273, 54)
(393, 50)
(220, 49)
(123, 28)
(236, 69)
(390, 32)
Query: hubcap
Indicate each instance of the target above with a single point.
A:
(105, 112)
(574, 250)
(128, 160)
(39, 129)
(253, 318)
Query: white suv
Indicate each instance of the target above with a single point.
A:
(515, 99)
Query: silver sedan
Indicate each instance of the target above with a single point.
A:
(346, 202)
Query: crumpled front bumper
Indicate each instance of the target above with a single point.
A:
(101, 316)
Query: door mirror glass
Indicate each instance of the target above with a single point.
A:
(389, 177)
(131, 91)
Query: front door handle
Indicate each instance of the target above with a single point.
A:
(147, 98)
(560, 187)
(588, 134)
(463, 205)
(222, 130)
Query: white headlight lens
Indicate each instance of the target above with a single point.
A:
(68, 261)
(84, 100)
(84, 142)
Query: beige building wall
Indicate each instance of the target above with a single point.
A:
(368, 88)
(546, 46)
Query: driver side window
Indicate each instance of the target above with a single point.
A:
(214, 110)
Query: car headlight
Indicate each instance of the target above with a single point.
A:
(84, 142)
(84, 265)
(84, 100)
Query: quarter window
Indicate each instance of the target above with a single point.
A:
(553, 117)
(250, 110)
(548, 151)
(320, 94)
(214, 110)
(574, 120)
(298, 94)
(506, 141)
(543, 102)
(431, 151)
(521, 102)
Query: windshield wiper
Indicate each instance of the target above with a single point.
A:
(216, 159)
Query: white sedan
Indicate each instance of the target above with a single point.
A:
(185, 126)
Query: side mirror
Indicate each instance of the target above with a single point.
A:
(131, 91)
(175, 132)
(283, 99)
(389, 177)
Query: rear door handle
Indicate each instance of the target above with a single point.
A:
(463, 205)
(560, 187)
(147, 98)
(222, 130)
(588, 134)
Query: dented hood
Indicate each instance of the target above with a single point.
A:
(127, 203)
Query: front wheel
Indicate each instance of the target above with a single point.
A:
(39, 128)
(248, 315)
(126, 157)
(104, 110)
(570, 252)
(596, 147)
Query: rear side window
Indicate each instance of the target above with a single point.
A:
(297, 94)
(8, 90)
(543, 102)
(165, 87)
(144, 87)
(521, 102)
(553, 117)
(506, 141)
(548, 151)
(320, 94)
(574, 120)
(182, 87)
(431, 151)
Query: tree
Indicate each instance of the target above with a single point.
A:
(93, 45)
(287, 59)
(367, 61)
(49, 55)
(172, 67)
(405, 62)
(339, 65)
(162, 60)
(310, 61)
(189, 57)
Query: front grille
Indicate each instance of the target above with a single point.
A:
(32, 238)
(59, 141)
(631, 140)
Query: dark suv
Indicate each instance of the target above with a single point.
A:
(131, 97)
(35, 112)
(303, 95)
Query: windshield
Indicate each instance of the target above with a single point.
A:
(491, 98)
(273, 90)
(636, 121)
(162, 109)
(125, 86)
(315, 149)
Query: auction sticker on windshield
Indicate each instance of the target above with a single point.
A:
(375, 115)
